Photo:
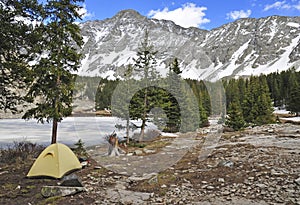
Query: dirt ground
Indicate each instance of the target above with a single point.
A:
(257, 166)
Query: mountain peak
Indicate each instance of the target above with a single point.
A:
(245, 47)
(128, 13)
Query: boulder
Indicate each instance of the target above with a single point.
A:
(71, 181)
(50, 191)
(297, 181)
(138, 152)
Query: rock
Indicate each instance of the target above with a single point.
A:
(4, 172)
(49, 191)
(138, 152)
(149, 151)
(262, 186)
(163, 186)
(139, 178)
(297, 181)
(177, 190)
(251, 178)
(225, 193)
(275, 173)
(226, 163)
(71, 181)
(159, 200)
(221, 180)
(210, 187)
(117, 177)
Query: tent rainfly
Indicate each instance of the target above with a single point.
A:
(55, 161)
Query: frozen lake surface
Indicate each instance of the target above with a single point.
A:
(91, 130)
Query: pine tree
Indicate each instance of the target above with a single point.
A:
(294, 94)
(104, 93)
(235, 119)
(264, 103)
(257, 104)
(59, 40)
(145, 66)
(174, 67)
(121, 98)
(174, 94)
(17, 40)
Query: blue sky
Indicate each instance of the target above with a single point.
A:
(205, 14)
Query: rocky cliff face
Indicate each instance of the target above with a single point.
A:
(244, 47)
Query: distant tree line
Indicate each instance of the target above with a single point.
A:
(250, 101)
(285, 89)
(158, 98)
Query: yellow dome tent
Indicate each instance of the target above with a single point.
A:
(55, 161)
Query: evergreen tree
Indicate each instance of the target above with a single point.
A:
(17, 40)
(294, 94)
(241, 89)
(231, 90)
(174, 67)
(257, 104)
(145, 66)
(190, 114)
(53, 83)
(264, 103)
(235, 119)
(104, 93)
(172, 107)
(121, 98)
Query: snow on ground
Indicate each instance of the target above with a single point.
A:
(292, 119)
(281, 111)
(284, 112)
(166, 134)
(277, 65)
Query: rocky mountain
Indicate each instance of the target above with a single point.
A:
(245, 47)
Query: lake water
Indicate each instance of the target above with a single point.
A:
(91, 130)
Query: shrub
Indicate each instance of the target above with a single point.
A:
(80, 150)
(22, 150)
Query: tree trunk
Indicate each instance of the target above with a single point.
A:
(144, 116)
(113, 151)
(55, 121)
(142, 134)
(127, 130)
(54, 131)
(113, 148)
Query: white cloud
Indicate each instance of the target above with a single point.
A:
(189, 15)
(277, 5)
(297, 6)
(238, 14)
(283, 5)
(84, 12)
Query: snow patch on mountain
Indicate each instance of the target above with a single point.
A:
(293, 24)
(241, 48)
(277, 65)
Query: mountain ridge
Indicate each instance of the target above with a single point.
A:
(244, 47)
